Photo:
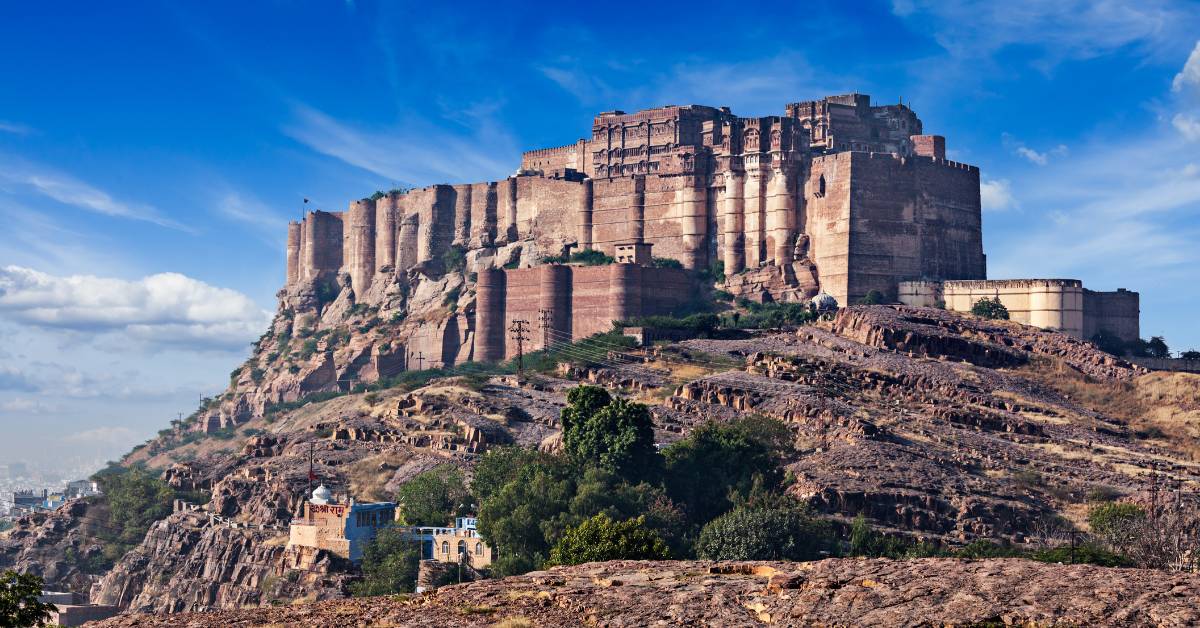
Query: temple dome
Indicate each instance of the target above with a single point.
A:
(824, 302)
(321, 495)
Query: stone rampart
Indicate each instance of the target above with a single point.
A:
(576, 302)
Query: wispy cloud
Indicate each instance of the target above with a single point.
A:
(416, 152)
(1041, 158)
(64, 188)
(14, 128)
(1188, 126)
(1071, 29)
(757, 86)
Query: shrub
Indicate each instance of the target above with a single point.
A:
(765, 534)
(389, 564)
(434, 497)
(1115, 522)
(772, 315)
(136, 500)
(454, 260)
(1191, 354)
(1084, 553)
(991, 309)
(308, 349)
(600, 538)
(19, 605)
(723, 296)
(873, 297)
(256, 375)
(667, 262)
(591, 257)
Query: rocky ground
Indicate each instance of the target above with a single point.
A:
(834, 592)
(937, 426)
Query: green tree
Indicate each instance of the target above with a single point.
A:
(500, 466)
(1190, 354)
(435, 497)
(873, 297)
(718, 461)
(601, 538)
(991, 309)
(523, 519)
(866, 541)
(19, 605)
(136, 499)
(389, 564)
(1157, 347)
(616, 434)
(765, 534)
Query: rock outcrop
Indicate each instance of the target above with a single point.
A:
(835, 592)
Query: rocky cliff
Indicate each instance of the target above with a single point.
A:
(933, 425)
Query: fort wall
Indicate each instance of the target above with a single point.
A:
(1118, 312)
(1060, 304)
(579, 301)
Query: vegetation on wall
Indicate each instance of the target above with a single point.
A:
(990, 308)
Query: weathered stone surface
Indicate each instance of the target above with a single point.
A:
(835, 592)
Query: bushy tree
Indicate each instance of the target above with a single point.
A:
(1190, 354)
(614, 434)
(389, 564)
(19, 605)
(765, 534)
(1109, 342)
(991, 309)
(500, 466)
(1157, 347)
(136, 499)
(435, 497)
(523, 519)
(718, 461)
(601, 538)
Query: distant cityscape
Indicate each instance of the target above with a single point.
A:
(27, 487)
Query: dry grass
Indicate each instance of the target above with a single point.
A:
(368, 479)
(514, 622)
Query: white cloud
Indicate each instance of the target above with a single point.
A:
(1190, 74)
(1188, 126)
(1032, 155)
(996, 195)
(12, 378)
(415, 153)
(68, 190)
(161, 309)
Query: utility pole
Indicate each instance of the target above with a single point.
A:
(520, 333)
(420, 358)
(311, 476)
(545, 317)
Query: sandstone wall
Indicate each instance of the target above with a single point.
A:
(1044, 303)
(579, 301)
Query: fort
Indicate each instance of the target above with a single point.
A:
(836, 195)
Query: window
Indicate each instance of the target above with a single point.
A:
(478, 548)
(462, 548)
(446, 547)
(821, 186)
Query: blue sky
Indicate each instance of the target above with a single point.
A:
(151, 153)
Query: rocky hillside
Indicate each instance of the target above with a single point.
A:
(834, 592)
(935, 426)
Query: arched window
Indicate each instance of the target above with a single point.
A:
(478, 548)
(446, 547)
(462, 548)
